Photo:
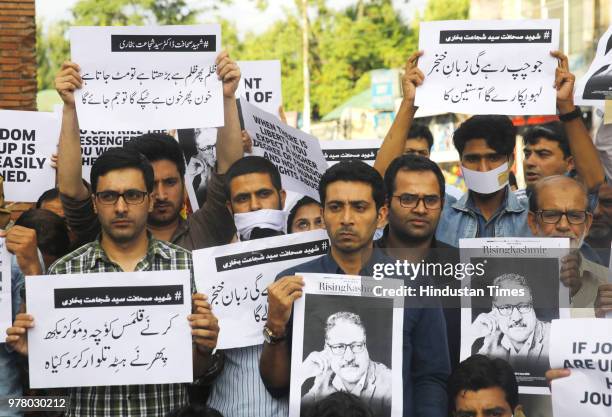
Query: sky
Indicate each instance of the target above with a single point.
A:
(242, 12)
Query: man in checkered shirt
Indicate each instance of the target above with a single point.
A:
(122, 181)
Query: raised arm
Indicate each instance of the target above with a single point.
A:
(586, 157)
(395, 140)
(69, 170)
(229, 137)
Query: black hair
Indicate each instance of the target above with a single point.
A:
(419, 130)
(354, 171)
(194, 410)
(412, 163)
(553, 131)
(304, 201)
(120, 158)
(158, 147)
(252, 165)
(50, 194)
(51, 231)
(479, 372)
(340, 404)
(512, 179)
(497, 131)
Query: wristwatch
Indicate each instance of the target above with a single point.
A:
(271, 338)
(574, 114)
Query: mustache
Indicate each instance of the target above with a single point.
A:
(351, 364)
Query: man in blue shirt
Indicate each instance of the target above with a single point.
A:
(353, 198)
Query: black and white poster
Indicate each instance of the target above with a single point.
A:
(346, 150)
(27, 141)
(147, 77)
(596, 85)
(518, 296)
(112, 328)
(236, 277)
(344, 340)
(199, 148)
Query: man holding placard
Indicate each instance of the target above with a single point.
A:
(352, 194)
(122, 182)
(486, 144)
(207, 226)
(558, 207)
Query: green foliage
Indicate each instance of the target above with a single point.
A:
(447, 10)
(344, 45)
(52, 50)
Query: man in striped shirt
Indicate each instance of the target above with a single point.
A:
(122, 181)
(255, 198)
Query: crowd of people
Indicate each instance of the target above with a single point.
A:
(128, 218)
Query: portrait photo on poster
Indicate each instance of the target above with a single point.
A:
(199, 150)
(346, 347)
(599, 85)
(516, 327)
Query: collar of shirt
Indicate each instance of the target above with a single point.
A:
(378, 257)
(509, 204)
(154, 248)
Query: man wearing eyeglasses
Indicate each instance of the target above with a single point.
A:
(122, 182)
(345, 365)
(415, 198)
(353, 198)
(511, 331)
(558, 207)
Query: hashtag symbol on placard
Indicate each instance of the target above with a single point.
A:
(205, 44)
(324, 245)
(177, 295)
(547, 34)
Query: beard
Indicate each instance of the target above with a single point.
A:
(122, 236)
(164, 219)
(260, 233)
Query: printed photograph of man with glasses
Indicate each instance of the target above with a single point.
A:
(345, 364)
(512, 331)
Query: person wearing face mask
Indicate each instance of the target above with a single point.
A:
(255, 199)
(486, 145)
(558, 207)
(489, 209)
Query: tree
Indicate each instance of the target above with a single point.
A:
(53, 47)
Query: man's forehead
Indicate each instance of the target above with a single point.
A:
(349, 192)
(122, 179)
(251, 182)
(513, 300)
(559, 194)
(345, 330)
(478, 146)
(543, 143)
(482, 399)
(418, 142)
(416, 181)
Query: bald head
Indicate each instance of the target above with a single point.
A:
(566, 188)
(558, 207)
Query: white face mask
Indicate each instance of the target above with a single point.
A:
(264, 219)
(486, 182)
